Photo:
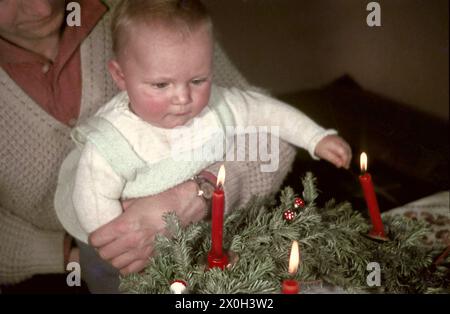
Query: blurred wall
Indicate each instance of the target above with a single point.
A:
(292, 45)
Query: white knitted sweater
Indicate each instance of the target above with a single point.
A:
(34, 144)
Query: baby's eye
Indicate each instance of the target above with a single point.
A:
(198, 81)
(160, 85)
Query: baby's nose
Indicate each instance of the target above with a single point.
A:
(182, 96)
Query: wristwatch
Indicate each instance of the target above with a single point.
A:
(206, 188)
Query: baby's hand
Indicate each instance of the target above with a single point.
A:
(334, 149)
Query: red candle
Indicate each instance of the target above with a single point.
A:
(371, 200)
(291, 286)
(216, 256)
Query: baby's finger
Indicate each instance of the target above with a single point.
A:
(349, 159)
(343, 150)
(333, 157)
(346, 156)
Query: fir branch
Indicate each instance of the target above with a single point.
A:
(333, 248)
(310, 192)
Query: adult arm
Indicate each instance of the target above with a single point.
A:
(127, 241)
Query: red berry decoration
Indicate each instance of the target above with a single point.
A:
(289, 215)
(299, 202)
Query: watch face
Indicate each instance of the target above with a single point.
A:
(207, 189)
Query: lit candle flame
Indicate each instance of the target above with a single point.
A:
(221, 176)
(294, 259)
(363, 162)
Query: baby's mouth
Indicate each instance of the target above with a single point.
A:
(182, 113)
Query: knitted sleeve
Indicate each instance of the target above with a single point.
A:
(26, 250)
(258, 110)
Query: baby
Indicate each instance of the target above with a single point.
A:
(164, 66)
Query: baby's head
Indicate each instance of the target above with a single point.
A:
(163, 58)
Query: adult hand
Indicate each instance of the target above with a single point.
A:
(334, 149)
(71, 253)
(127, 241)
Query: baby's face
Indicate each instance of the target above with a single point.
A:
(167, 75)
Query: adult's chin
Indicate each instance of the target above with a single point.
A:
(42, 29)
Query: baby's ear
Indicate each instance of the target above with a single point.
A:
(116, 73)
